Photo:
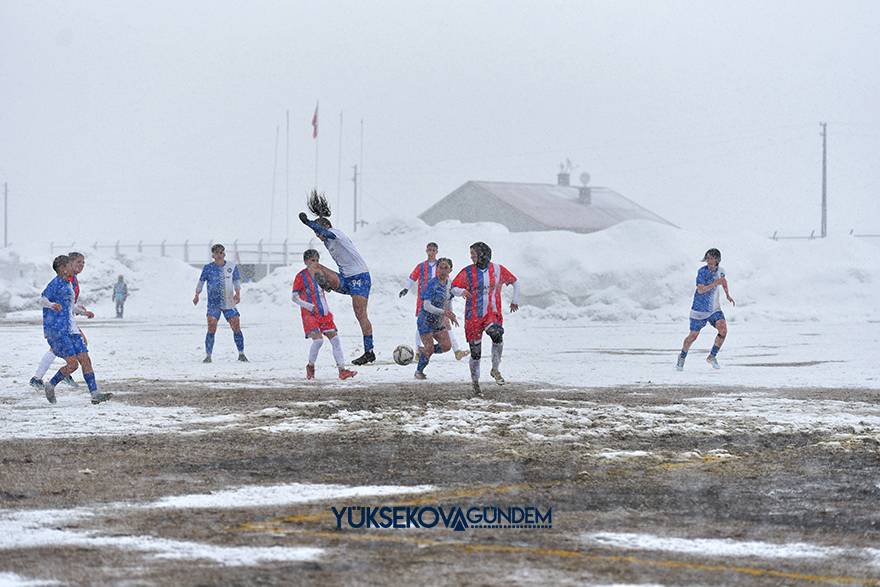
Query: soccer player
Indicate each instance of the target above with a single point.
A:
(483, 281)
(78, 263)
(316, 316)
(353, 278)
(224, 292)
(62, 333)
(424, 272)
(434, 313)
(706, 308)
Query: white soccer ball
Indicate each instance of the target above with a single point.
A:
(403, 355)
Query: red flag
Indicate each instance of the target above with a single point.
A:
(315, 122)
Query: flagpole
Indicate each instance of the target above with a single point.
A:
(339, 168)
(361, 166)
(287, 181)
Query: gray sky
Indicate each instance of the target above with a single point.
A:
(149, 120)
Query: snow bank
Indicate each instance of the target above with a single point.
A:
(634, 271)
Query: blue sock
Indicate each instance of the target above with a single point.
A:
(423, 362)
(683, 354)
(56, 379)
(714, 350)
(209, 343)
(368, 343)
(239, 340)
(90, 381)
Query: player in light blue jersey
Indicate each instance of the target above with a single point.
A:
(62, 332)
(707, 307)
(353, 278)
(224, 292)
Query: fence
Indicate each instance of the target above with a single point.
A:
(777, 237)
(255, 259)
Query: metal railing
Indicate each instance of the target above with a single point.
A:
(269, 254)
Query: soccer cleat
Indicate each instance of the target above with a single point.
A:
(346, 373)
(49, 390)
(100, 397)
(310, 371)
(477, 390)
(496, 374)
(36, 383)
(420, 375)
(713, 361)
(679, 365)
(459, 355)
(242, 358)
(367, 357)
(69, 381)
(207, 359)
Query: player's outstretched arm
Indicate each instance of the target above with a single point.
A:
(727, 291)
(319, 230)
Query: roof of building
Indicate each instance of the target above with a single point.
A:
(559, 207)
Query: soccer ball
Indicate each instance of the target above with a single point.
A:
(403, 355)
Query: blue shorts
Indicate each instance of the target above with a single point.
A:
(67, 345)
(355, 285)
(697, 325)
(227, 313)
(428, 323)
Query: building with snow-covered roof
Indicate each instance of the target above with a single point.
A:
(525, 207)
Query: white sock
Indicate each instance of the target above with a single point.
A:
(475, 369)
(337, 351)
(418, 342)
(313, 351)
(454, 340)
(44, 365)
(497, 347)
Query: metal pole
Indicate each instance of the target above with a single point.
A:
(824, 126)
(361, 162)
(287, 180)
(354, 179)
(274, 174)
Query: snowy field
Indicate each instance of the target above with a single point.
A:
(763, 472)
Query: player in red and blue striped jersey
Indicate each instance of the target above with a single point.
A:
(316, 315)
(483, 281)
(419, 277)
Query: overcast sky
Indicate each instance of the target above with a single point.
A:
(149, 120)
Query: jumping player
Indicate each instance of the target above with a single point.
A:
(424, 272)
(62, 333)
(224, 293)
(706, 308)
(316, 316)
(78, 262)
(353, 278)
(434, 312)
(483, 281)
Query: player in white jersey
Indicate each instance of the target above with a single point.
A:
(707, 308)
(353, 277)
(419, 277)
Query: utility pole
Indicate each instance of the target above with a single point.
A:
(354, 179)
(5, 214)
(824, 126)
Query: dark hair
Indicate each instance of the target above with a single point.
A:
(447, 259)
(432, 244)
(218, 247)
(318, 204)
(73, 255)
(714, 253)
(59, 262)
(484, 253)
(310, 254)
(325, 222)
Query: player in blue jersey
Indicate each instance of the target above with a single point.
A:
(316, 316)
(224, 292)
(707, 308)
(353, 277)
(78, 263)
(62, 333)
(434, 312)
